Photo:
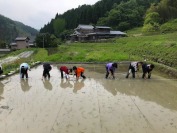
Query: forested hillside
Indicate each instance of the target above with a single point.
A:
(153, 16)
(10, 29)
(118, 14)
(161, 17)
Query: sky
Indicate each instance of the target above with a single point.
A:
(37, 13)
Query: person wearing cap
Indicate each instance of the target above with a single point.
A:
(133, 67)
(65, 72)
(47, 68)
(147, 69)
(79, 71)
(24, 67)
(110, 68)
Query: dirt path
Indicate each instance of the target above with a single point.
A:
(14, 58)
(94, 105)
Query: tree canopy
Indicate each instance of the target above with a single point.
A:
(46, 40)
(117, 14)
(159, 14)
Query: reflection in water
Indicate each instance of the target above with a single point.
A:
(161, 92)
(65, 84)
(25, 85)
(1, 90)
(103, 105)
(110, 86)
(78, 85)
(47, 84)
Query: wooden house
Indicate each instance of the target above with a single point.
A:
(81, 32)
(91, 33)
(20, 43)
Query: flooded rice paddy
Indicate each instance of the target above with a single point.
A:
(93, 105)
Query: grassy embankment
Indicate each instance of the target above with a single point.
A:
(157, 48)
(161, 48)
(14, 65)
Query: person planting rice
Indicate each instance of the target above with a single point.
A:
(110, 68)
(79, 71)
(147, 69)
(24, 67)
(65, 72)
(1, 71)
(47, 68)
(133, 68)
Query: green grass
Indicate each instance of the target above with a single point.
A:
(169, 26)
(160, 48)
(135, 31)
(88, 52)
(40, 55)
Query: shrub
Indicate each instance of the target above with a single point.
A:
(169, 26)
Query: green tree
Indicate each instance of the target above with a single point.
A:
(166, 9)
(46, 40)
(104, 12)
(2, 44)
(124, 16)
(151, 27)
(84, 14)
(151, 23)
(59, 26)
(152, 18)
(54, 42)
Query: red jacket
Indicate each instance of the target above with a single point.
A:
(65, 69)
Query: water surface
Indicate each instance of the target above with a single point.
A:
(93, 105)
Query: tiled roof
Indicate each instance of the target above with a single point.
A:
(85, 27)
(75, 33)
(102, 27)
(21, 38)
(117, 32)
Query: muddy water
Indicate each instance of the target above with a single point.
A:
(93, 105)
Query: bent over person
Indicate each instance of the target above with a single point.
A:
(24, 67)
(147, 69)
(65, 72)
(110, 68)
(1, 71)
(79, 71)
(133, 67)
(46, 72)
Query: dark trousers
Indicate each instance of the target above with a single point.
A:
(82, 75)
(107, 72)
(144, 74)
(46, 73)
(132, 70)
(61, 74)
(24, 72)
(1, 71)
(146, 70)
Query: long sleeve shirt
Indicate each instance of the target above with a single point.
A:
(135, 65)
(78, 71)
(65, 69)
(110, 67)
